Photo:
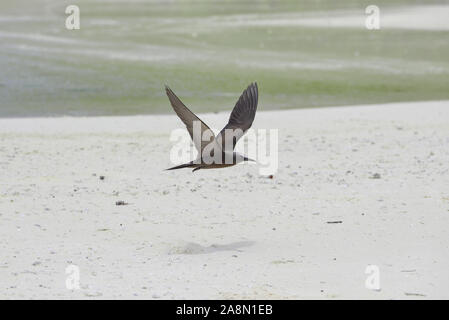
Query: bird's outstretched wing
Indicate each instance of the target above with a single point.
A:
(202, 137)
(241, 119)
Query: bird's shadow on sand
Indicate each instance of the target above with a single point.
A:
(195, 248)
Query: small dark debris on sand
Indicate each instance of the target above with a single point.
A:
(375, 176)
(414, 294)
(121, 203)
(339, 221)
(270, 176)
(101, 177)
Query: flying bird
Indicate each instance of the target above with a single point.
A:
(217, 151)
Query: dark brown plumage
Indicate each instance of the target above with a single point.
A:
(240, 120)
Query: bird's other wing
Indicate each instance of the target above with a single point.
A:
(205, 135)
(241, 119)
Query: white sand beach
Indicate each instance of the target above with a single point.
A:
(380, 171)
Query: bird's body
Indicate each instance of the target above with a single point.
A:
(217, 152)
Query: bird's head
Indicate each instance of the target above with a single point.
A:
(248, 159)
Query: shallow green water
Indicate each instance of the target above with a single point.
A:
(207, 52)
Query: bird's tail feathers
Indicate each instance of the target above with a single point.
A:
(185, 165)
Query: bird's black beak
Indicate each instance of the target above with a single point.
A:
(248, 159)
